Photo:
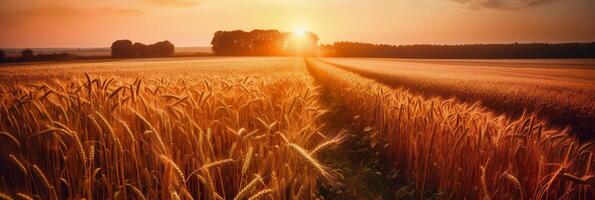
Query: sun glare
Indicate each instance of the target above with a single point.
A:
(299, 32)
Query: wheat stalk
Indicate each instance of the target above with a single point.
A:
(260, 194)
(323, 170)
(515, 182)
(137, 192)
(247, 160)
(216, 164)
(172, 164)
(337, 140)
(18, 163)
(5, 196)
(24, 196)
(248, 188)
(10, 137)
(45, 182)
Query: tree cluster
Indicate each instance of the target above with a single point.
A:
(127, 49)
(471, 51)
(27, 55)
(263, 43)
(2, 55)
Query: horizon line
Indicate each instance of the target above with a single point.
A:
(412, 44)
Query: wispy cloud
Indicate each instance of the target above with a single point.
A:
(503, 4)
(175, 3)
(63, 12)
(71, 11)
(121, 11)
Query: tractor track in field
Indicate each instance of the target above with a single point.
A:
(365, 174)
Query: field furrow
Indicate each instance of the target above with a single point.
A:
(359, 158)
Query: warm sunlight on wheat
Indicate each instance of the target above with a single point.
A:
(297, 99)
(461, 150)
(203, 135)
(267, 128)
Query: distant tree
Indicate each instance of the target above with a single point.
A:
(263, 43)
(305, 44)
(122, 49)
(27, 54)
(54, 56)
(2, 55)
(230, 43)
(141, 50)
(163, 48)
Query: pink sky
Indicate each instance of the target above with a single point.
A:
(97, 23)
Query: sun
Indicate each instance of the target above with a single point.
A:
(299, 32)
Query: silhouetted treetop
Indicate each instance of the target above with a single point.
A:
(122, 49)
(163, 48)
(141, 50)
(263, 43)
(470, 51)
(2, 55)
(126, 49)
(27, 54)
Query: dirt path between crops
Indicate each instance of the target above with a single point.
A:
(366, 175)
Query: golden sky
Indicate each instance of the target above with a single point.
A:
(97, 23)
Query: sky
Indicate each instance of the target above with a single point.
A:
(97, 23)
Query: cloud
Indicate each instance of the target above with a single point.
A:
(120, 11)
(174, 3)
(63, 12)
(503, 4)
(47, 11)
(70, 11)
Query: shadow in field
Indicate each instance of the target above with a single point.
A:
(365, 174)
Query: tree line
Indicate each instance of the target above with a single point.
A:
(27, 55)
(119, 49)
(469, 51)
(276, 43)
(263, 43)
(127, 49)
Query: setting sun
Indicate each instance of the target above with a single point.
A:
(299, 32)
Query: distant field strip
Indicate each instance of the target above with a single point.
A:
(460, 151)
(561, 92)
(178, 68)
(225, 129)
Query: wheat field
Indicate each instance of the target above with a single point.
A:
(460, 149)
(202, 134)
(254, 128)
(560, 92)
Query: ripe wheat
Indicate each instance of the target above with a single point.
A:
(160, 133)
(461, 150)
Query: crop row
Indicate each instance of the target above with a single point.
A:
(458, 150)
(202, 136)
